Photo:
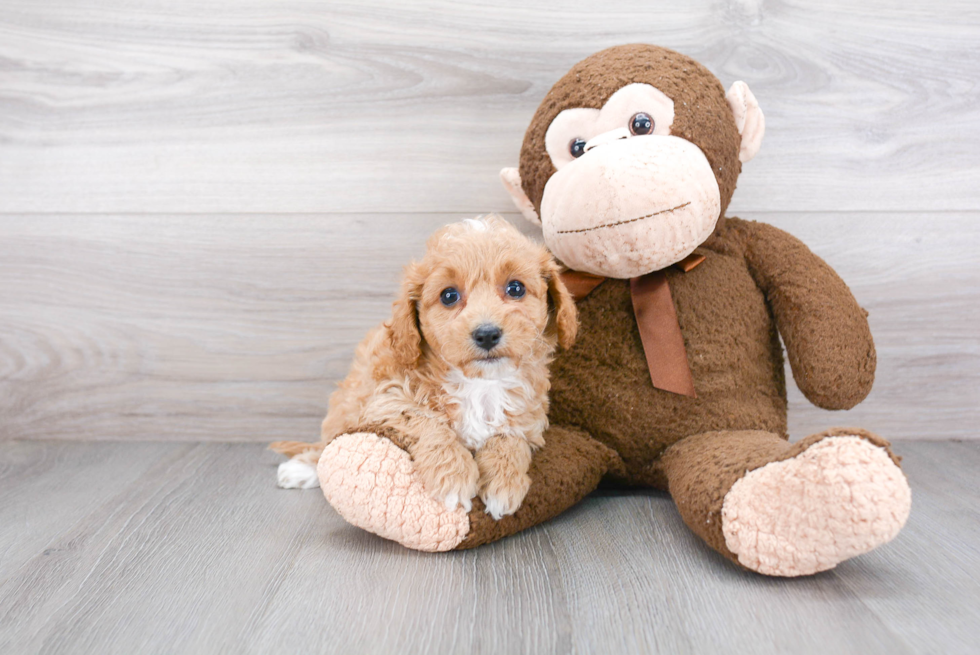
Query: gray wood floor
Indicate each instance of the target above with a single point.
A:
(189, 548)
(204, 205)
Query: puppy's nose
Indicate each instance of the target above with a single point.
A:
(487, 336)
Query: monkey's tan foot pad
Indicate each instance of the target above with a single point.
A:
(841, 497)
(372, 484)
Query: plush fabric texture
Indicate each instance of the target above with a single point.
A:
(723, 455)
(369, 479)
(753, 279)
(602, 387)
(609, 421)
(602, 126)
(511, 179)
(702, 469)
(729, 323)
(619, 176)
(827, 337)
(563, 472)
(841, 497)
(371, 483)
(749, 119)
(702, 114)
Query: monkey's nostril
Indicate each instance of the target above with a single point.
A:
(487, 336)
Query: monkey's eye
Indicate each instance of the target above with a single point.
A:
(641, 124)
(515, 289)
(449, 296)
(577, 147)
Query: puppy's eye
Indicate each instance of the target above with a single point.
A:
(515, 289)
(641, 124)
(449, 296)
(577, 147)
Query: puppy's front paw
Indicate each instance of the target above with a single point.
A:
(503, 493)
(449, 474)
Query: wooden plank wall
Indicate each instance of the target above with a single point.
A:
(204, 204)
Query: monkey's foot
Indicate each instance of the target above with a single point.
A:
(372, 483)
(841, 497)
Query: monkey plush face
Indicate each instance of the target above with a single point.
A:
(632, 159)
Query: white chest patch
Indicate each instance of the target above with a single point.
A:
(484, 403)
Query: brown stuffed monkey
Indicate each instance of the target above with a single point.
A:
(676, 381)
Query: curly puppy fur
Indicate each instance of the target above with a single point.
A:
(473, 416)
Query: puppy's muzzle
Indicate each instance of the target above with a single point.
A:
(487, 336)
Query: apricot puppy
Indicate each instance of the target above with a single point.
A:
(461, 367)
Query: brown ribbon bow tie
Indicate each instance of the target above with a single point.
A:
(656, 318)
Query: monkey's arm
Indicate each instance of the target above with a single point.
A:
(826, 332)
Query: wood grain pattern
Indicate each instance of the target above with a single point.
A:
(85, 477)
(202, 554)
(259, 106)
(234, 328)
(203, 206)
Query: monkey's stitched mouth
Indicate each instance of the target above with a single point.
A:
(631, 220)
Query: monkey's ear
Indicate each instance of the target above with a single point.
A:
(748, 118)
(511, 177)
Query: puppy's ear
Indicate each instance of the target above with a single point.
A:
(403, 328)
(563, 321)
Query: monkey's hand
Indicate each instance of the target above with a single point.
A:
(828, 340)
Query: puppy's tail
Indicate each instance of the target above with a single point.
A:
(294, 448)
